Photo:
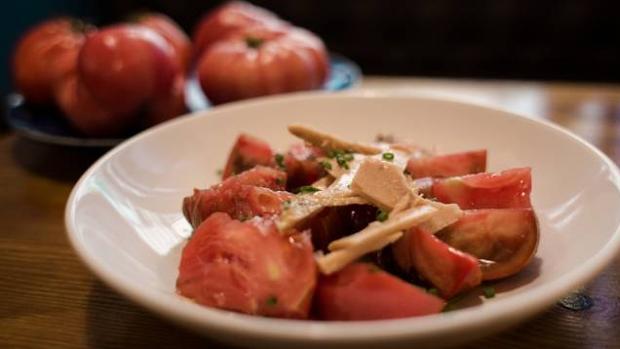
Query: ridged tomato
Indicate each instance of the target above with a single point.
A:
(228, 19)
(44, 55)
(259, 61)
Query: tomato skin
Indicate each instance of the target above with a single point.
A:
(448, 165)
(172, 33)
(248, 267)
(85, 113)
(302, 166)
(228, 19)
(361, 291)
(247, 152)
(332, 223)
(123, 66)
(169, 105)
(44, 55)
(505, 189)
(251, 193)
(283, 61)
(448, 269)
(506, 237)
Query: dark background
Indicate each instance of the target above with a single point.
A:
(572, 40)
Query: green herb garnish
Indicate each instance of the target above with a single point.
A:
(388, 156)
(434, 291)
(382, 216)
(286, 204)
(488, 291)
(342, 157)
(307, 189)
(272, 301)
(219, 172)
(280, 181)
(280, 161)
(326, 165)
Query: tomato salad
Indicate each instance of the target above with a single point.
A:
(340, 230)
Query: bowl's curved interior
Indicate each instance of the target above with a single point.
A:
(125, 221)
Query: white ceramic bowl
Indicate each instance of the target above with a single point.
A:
(124, 215)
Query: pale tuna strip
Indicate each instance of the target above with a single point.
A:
(335, 261)
(446, 215)
(368, 237)
(381, 182)
(328, 141)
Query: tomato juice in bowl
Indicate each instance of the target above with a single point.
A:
(124, 217)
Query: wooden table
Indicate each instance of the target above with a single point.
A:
(49, 299)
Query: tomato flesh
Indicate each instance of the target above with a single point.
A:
(302, 167)
(506, 238)
(247, 152)
(362, 291)
(248, 267)
(505, 189)
(457, 164)
(252, 193)
(448, 269)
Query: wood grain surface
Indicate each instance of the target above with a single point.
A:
(48, 299)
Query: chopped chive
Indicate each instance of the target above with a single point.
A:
(489, 292)
(286, 204)
(388, 156)
(434, 291)
(280, 161)
(219, 172)
(331, 153)
(307, 189)
(382, 216)
(347, 157)
(326, 165)
(272, 300)
(280, 181)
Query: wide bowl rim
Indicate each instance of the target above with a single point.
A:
(528, 303)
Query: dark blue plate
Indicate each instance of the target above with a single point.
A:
(49, 126)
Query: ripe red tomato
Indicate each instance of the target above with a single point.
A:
(506, 237)
(505, 189)
(228, 19)
(361, 291)
(44, 55)
(247, 152)
(258, 62)
(85, 113)
(168, 106)
(251, 193)
(448, 269)
(172, 33)
(248, 267)
(125, 65)
(301, 165)
(457, 164)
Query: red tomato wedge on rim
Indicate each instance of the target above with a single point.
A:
(448, 269)
(505, 239)
(247, 152)
(256, 192)
(457, 164)
(248, 267)
(362, 291)
(505, 189)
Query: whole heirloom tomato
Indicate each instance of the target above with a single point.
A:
(260, 61)
(229, 18)
(44, 54)
(172, 33)
(123, 66)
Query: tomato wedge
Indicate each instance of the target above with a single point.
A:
(505, 189)
(242, 196)
(457, 164)
(247, 152)
(248, 267)
(506, 239)
(362, 291)
(448, 269)
(302, 166)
